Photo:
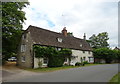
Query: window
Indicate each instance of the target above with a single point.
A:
(84, 58)
(83, 51)
(88, 52)
(23, 48)
(81, 45)
(65, 60)
(58, 49)
(23, 58)
(24, 36)
(59, 40)
(45, 60)
(91, 59)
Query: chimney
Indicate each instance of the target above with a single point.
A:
(64, 31)
(84, 37)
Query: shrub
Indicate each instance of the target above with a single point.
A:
(78, 64)
(85, 62)
(66, 64)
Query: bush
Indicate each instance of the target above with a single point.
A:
(78, 64)
(55, 60)
(85, 62)
(66, 64)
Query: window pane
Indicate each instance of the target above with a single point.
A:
(23, 58)
(45, 61)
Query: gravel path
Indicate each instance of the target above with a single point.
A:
(11, 72)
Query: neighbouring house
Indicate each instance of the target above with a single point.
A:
(81, 50)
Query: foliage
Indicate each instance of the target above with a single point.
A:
(12, 19)
(99, 41)
(70, 34)
(105, 53)
(55, 58)
(115, 79)
(118, 54)
(40, 63)
(39, 51)
(66, 53)
(77, 64)
(85, 62)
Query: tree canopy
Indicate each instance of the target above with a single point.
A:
(106, 53)
(12, 20)
(99, 41)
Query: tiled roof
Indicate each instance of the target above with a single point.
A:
(49, 38)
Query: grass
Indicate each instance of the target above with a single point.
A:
(47, 69)
(115, 79)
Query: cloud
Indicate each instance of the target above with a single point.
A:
(77, 15)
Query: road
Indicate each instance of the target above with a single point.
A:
(98, 73)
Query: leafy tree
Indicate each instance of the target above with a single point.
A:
(105, 53)
(99, 41)
(12, 19)
(70, 34)
(118, 56)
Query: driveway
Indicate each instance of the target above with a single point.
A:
(98, 73)
(10, 72)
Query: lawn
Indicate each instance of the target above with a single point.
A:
(116, 79)
(47, 69)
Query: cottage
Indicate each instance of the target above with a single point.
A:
(81, 50)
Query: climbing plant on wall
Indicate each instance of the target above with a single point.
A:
(55, 58)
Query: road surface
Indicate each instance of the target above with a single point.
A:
(97, 73)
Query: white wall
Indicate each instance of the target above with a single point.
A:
(80, 54)
(36, 61)
(76, 53)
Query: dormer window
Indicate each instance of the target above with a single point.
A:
(81, 45)
(59, 40)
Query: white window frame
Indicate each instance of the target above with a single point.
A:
(45, 59)
(24, 36)
(91, 59)
(23, 48)
(81, 45)
(59, 40)
(22, 58)
(58, 49)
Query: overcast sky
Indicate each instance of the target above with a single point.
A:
(78, 16)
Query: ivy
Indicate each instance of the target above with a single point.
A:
(55, 58)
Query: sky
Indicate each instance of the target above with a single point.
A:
(78, 16)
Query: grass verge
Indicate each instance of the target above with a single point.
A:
(115, 79)
(47, 69)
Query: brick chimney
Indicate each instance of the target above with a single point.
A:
(64, 31)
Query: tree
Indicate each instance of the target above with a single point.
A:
(118, 55)
(105, 53)
(70, 34)
(99, 41)
(12, 19)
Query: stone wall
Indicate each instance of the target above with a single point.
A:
(27, 40)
